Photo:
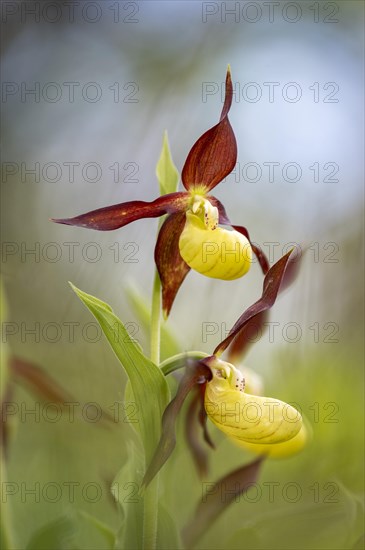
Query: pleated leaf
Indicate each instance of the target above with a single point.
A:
(149, 385)
(166, 170)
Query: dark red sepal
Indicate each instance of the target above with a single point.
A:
(214, 155)
(196, 415)
(272, 283)
(248, 335)
(170, 265)
(40, 383)
(197, 372)
(218, 497)
(118, 215)
(224, 220)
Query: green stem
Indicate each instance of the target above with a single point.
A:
(179, 361)
(150, 512)
(6, 539)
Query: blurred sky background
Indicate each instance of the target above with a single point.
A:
(162, 55)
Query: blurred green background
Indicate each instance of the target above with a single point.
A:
(161, 57)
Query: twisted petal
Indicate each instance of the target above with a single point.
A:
(255, 327)
(218, 497)
(214, 155)
(171, 267)
(40, 383)
(118, 215)
(198, 373)
(249, 335)
(272, 283)
(224, 220)
(196, 415)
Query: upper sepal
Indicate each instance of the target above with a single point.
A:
(118, 215)
(214, 154)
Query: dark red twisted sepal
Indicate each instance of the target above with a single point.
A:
(197, 372)
(214, 155)
(247, 336)
(224, 220)
(218, 497)
(256, 326)
(196, 415)
(40, 383)
(118, 215)
(171, 267)
(272, 283)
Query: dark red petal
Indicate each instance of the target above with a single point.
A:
(171, 267)
(260, 255)
(193, 437)
(118, 215)
(40, 383)
(272, 283)
(214, 155)
(196, 411)
(224, 220)
(218, 497)
(5, 425)
(203, 417)
(255, 328)
(196, 373)
(292, 269)
(247, 336)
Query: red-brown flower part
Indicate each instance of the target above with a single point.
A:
(192, 214)
(199, 373)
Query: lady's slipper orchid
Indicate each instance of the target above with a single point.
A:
(190, 237)
(244, 418)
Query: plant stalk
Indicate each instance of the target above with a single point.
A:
(6, 538)
(150, 513)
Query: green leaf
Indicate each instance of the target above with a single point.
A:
(126, 491)
(167, 532)
(166, 170)
(96, 528)
(149, 385)
(69, 532)
(4, 358)
(59, 534)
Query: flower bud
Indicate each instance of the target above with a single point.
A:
(246, 417)
(213, 251)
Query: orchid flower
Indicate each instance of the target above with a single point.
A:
(190, 237)
(255, 422)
